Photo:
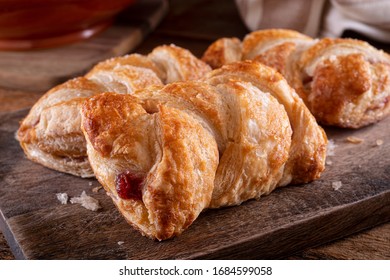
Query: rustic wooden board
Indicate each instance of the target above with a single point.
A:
(37, 226)
(39, 70)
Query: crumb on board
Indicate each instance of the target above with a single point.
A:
(328, 162)
(96, 189)
(330, 148)
(121, 243)
(86, 201)
(16, 136)
(354, 140)
(337, 185)
(90, 184)
(379, 142)
(62, 197)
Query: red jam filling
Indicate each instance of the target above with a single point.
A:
(129, 185)
(307, 79)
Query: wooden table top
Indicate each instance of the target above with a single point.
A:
(194, 25)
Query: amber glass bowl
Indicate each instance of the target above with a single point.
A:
(30, 24)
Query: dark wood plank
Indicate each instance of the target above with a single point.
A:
(373, 244)
(203, 20)
(5, 252)
(13, 100)
(287, 221)
(195, 24)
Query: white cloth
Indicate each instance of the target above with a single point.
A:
(319, 18)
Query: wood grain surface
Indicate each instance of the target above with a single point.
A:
(193, 25)
(371, 244)
(288, 220)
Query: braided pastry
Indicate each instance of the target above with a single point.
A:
(344, 82)
(51, 133)
(164, 154)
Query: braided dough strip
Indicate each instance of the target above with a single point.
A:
(306, 161)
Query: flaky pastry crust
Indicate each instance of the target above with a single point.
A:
(306, 162)
(51, 133)
(344, 82)
(250, 127)
(167, 153)
(223, 51)
(175, 157)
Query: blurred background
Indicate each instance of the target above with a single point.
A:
(44, 43)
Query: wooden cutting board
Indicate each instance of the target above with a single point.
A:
(290, 219)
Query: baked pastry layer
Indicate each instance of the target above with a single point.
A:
(164, 154)
(51, 133)
(344, 82)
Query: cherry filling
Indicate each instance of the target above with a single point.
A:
(129, 185)
(307, 79)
